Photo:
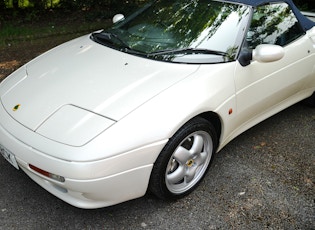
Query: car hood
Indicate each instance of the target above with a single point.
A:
(86, 75)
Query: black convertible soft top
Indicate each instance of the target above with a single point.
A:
(304, 21)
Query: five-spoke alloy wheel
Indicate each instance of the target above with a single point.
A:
(184, 160)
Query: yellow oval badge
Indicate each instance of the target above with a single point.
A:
(16, 107)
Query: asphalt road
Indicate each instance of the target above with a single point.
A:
(264, 179)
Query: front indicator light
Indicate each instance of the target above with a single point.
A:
(47, 174)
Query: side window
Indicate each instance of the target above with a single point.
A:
(273, 24)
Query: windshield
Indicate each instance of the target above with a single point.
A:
(190, 31)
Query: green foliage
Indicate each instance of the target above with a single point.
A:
(29, 11)
(12, 33)
(98, 4)
(307, 5)
(26, 11)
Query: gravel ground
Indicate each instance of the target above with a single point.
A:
(264, 179)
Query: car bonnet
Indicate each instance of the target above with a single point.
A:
(82, 74)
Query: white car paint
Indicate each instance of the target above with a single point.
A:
(110, 92)
(104, 134)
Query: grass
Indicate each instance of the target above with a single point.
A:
(12, 32)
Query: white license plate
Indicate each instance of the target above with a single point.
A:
(8, 156)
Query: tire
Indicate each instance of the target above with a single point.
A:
(311, 100)
(184, 160)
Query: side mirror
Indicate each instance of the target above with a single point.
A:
(262, 53)
(118, 17)
(268, 53)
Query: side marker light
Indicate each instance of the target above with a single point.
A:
(47, 174)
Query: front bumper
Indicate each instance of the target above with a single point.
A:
(96, 193)
(88, 184)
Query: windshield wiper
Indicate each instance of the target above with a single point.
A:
(187, 51)
(111, 38)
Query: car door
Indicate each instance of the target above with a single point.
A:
(263, 89)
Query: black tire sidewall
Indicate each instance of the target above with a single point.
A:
(310, 101)
(157, 184)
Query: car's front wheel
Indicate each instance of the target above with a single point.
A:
(184, 160)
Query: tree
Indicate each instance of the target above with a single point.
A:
(38, 4)
(15, 4)
(2, 5)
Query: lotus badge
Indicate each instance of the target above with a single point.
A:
(16, 107)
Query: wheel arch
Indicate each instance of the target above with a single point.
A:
(215, 120)
(199, 123)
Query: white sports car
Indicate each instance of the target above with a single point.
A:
(146, 103)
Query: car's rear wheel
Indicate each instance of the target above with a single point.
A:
(184, 160)
(311, 100)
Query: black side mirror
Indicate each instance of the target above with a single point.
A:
(245, 57)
